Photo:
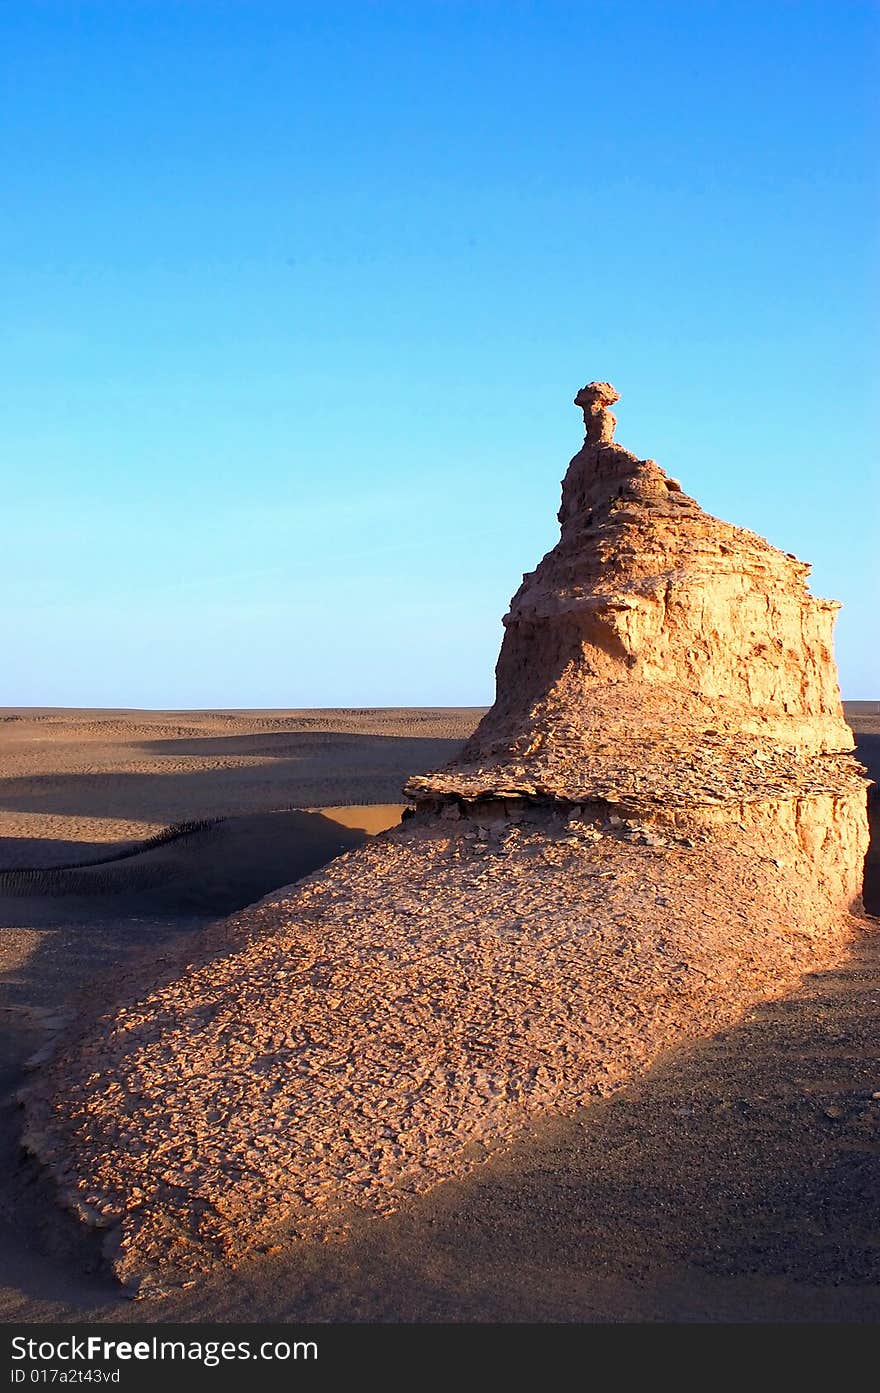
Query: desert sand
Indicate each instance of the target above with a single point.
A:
(736, 1181)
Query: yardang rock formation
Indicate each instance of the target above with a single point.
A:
(657, 656)
(656, 825)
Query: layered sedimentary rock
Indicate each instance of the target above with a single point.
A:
(656, 654)
(656, 825)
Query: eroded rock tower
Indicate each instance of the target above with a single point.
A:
(657, 824)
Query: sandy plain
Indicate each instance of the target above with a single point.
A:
(737, 1181)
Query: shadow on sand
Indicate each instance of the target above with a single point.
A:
(286, 770)
(211, 867)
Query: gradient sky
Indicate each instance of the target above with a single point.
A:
(296, 297)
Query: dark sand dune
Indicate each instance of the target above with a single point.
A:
(737, 1181)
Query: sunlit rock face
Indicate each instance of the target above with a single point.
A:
(656, 826)
(655, 652)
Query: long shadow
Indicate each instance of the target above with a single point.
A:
(58, 857)
(20, 853)
(296, 769)
(296, 744)
(207, 867)
(755, 1154)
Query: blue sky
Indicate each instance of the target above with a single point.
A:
(297, 295)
